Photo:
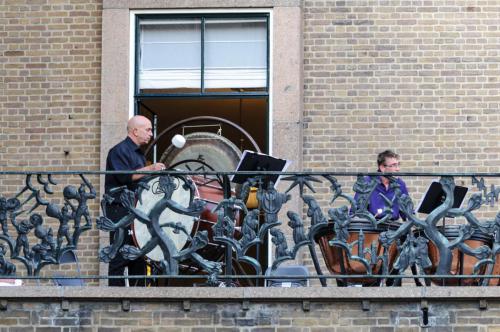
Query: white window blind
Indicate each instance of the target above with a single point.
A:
(170, 54)
(235, 54)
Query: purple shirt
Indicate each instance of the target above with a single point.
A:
(376, 201)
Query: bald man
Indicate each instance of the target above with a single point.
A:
(127, 156)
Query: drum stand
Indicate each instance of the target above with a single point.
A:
(228, 257)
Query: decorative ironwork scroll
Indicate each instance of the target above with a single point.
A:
(377, 249)
(357, 242)
(19, 221)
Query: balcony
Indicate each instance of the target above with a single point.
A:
(200, 229)
(224, 254)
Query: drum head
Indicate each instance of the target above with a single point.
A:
(149, 198)
(212, 150)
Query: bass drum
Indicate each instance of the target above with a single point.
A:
(210, 194)
(147, 201)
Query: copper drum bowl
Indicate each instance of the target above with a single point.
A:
(496, 272)
(336, 258)
(461, 263)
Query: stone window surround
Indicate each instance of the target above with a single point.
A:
(286, 69)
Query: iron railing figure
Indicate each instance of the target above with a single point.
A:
(18, 221)
(352, 241)
(408, 239)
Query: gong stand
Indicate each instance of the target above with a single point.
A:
(228, 268)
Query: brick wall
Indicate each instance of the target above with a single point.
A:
(50, 93)
(419, 77)
(289, 310)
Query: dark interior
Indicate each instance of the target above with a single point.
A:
(247, 113)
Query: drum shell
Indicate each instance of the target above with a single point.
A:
(336, 258)
(461, 263)
(212, 194)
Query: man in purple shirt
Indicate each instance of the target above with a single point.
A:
(387, 161)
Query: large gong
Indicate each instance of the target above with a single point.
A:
(203, 149)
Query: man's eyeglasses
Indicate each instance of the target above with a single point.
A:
(395, 165)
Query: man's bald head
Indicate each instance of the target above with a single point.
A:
(135, 122)
(139, 130)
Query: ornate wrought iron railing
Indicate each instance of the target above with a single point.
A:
(200, 228)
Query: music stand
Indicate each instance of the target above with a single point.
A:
(253, 161)
(435, 196)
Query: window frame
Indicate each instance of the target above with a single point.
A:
(202, 94)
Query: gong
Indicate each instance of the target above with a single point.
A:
(203, 151)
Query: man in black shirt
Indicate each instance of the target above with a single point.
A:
(127, 156)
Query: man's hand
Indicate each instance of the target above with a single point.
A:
(156, 167)
(152, 167)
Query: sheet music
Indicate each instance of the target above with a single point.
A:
(435, 195)
(279, 164)
(425, 195)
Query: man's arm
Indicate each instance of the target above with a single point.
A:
(152, 167)
(119, 160)
(404, 191)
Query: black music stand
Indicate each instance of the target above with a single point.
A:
(253, 161)
(435, 196)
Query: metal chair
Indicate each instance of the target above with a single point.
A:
(290, 270)
(69, 257)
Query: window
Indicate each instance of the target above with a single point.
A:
(169, 54)
(204, 65)
(202, 54)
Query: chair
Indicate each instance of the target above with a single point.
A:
(69, 257)
(290, 270)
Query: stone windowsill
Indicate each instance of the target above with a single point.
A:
(249, 293)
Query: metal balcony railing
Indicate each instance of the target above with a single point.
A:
(199, 228)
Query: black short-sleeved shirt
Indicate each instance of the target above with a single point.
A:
(125, 156)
